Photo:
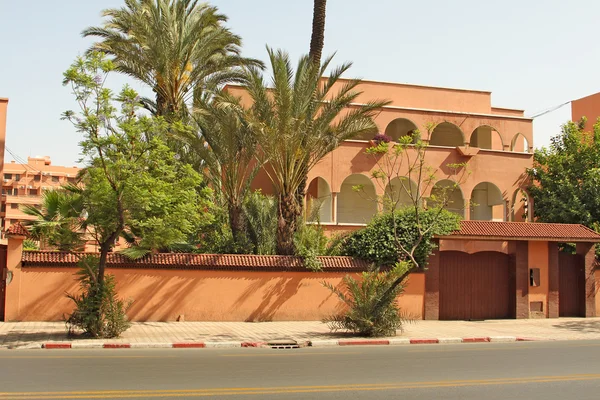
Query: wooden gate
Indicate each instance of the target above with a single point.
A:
(2, 280)
(474, 286)
(571, 281)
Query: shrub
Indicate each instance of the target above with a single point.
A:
(261, 215)
(376, 243)
(310, 241)
(366, 316)
(98, 312)
(29, 244)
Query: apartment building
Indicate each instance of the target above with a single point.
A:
(24, 184)
(588, 107)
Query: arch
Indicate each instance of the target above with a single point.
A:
(318, 201)
(449, 193)
(519, 144)
(401, 127)
(399, 193)
(487, 203)
(356, 206)
(486, 137)
(447, 134)
(520, 210)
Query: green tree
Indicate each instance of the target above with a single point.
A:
(565, 178)
(179, 48)
(59, 223)
(132, 183)
(298, 120)
(226, 144)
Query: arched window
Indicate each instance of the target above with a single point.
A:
(318, 201)
(519, 144)
(399, 193)
(356, 206)
(520, 210)
(448, 194)
(486, 137)
(487, 203)
(401, 127)
(446, 134)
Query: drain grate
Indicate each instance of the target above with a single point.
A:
(283, 344)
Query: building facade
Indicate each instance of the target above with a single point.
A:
(3, 114)
(459, 126)
(588, 107)
(24, 184)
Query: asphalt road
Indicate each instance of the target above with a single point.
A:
(528, 370)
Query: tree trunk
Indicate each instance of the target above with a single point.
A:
(318, 31)
(237, 222)
(287, 221)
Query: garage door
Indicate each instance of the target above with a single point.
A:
(571, 278)
(474, 286)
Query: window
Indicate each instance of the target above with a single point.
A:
(3, 208)
(14, 206)
(534, 277)
(7, 176)
(71, 180)
(37, 178)
(17, 177)
(55, 179)
(33, 192)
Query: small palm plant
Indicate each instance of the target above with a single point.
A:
(363, 296)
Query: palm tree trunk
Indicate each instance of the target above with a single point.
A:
(237, 222)
(288, 215)
(318, 31)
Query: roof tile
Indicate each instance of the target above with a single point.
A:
(196, 261)
(525, 231)
(17, 229)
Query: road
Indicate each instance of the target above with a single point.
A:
(490, 371)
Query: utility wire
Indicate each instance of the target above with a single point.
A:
(22, 161)
(549, 110)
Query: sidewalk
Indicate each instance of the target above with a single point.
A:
(220, 334)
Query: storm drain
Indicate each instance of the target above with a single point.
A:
(283, 344)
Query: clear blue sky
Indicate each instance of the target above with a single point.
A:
(531, 54)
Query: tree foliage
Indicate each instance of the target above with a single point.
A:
(179, 48)
(378, 241)
(566, 177)
(299, 118)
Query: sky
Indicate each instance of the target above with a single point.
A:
(531, 54)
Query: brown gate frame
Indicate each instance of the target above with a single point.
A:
(3, 273)
(518, 235)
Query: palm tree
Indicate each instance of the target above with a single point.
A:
(179, 48)
(227, 147)
(298, 120)
(58, 222)
(318, 31)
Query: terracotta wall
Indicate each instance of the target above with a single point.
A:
(588, 107)
(38, 294)
(597, 276)
(538, 258)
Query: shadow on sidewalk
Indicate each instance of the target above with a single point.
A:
(16, 338)
(583, 326)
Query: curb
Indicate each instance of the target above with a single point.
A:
(311, 343)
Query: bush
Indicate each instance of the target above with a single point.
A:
(310, 241)
(29, 244)
(98, 311)
(377, 242)
(261, 214)
(364, 316)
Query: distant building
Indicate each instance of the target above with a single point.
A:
(3, 109)
(588, 107)
(25, 183)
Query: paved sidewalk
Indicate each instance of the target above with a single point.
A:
(33, 334)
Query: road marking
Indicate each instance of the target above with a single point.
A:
(112, 394)
(290, 354)
(86, 357)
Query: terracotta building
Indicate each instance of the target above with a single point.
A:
(588, 107)
(460, 126)
(25, 183)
